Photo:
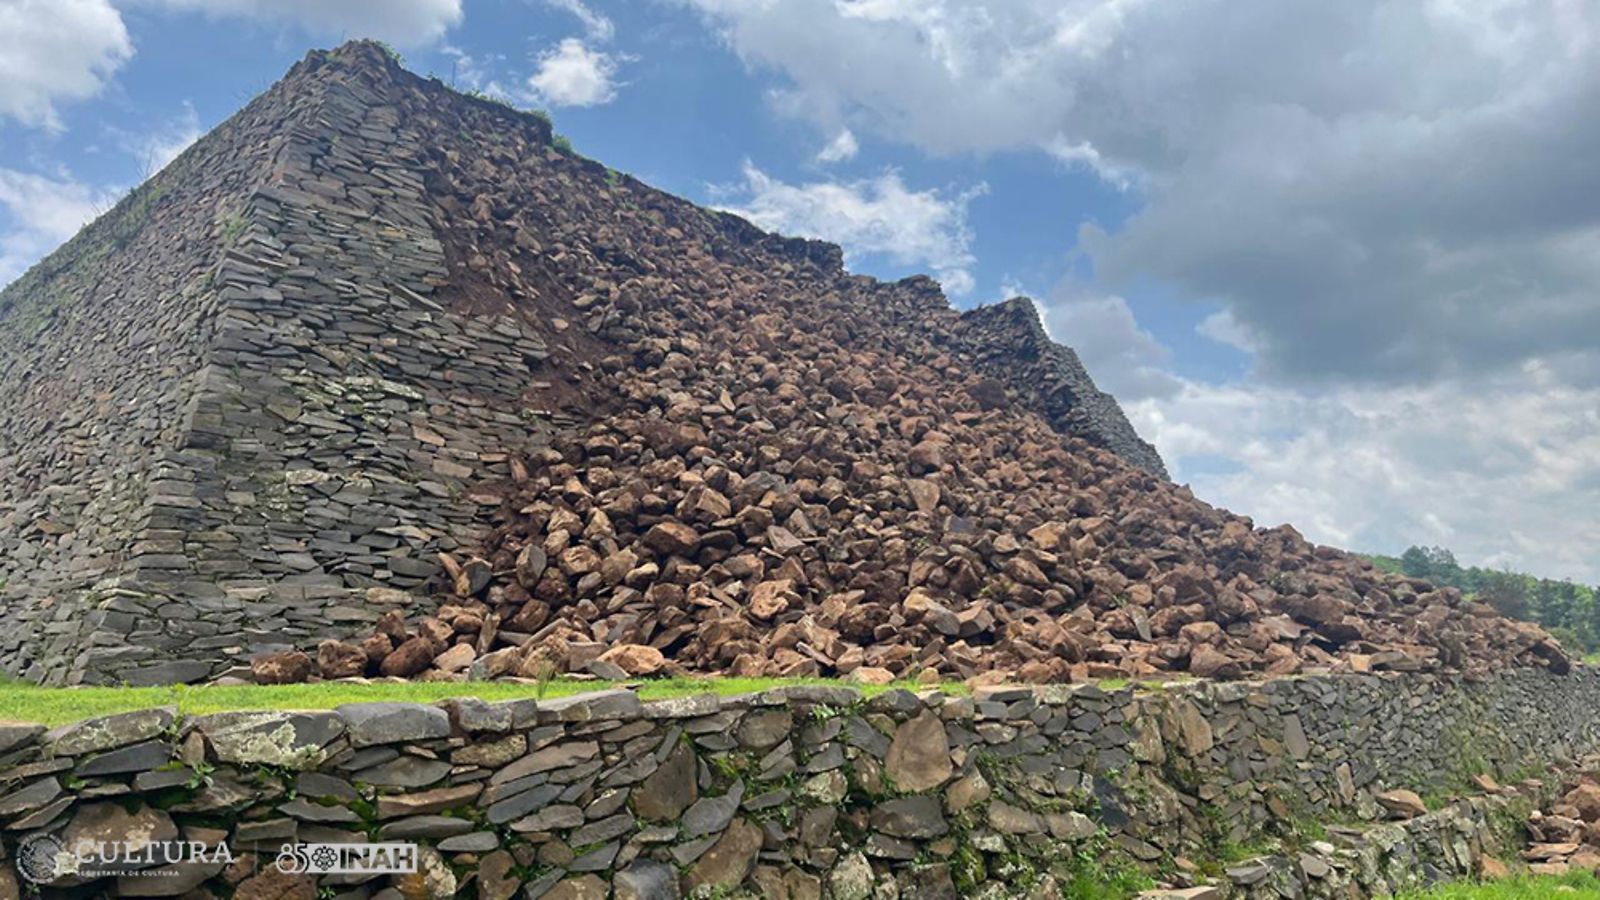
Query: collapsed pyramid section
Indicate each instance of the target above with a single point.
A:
(384, 369)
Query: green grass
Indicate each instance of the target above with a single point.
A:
(53, 706)
(1572, 886)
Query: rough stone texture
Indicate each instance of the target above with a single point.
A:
(307, 416)
(1011, 345)
(376, 359)
(314, 398)
(594, 794)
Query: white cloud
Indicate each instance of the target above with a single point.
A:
(407, 23)
(1123, 358)
(571, 74)
(1380, 190)
(1223, 328)
(54, 51)
(843, 147)
(874, 216)
(1504, 470)
(1504, 473)
(40, 212)
(156, 148)
(1389, 201)
(598, 27)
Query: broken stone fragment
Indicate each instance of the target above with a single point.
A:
(286, 667)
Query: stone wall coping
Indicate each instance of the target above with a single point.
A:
(467, 714)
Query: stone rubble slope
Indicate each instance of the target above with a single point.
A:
(768, 466)
(1566, 837)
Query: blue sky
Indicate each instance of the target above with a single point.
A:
(1338, 262)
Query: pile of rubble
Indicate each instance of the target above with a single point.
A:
(1567, 836)
(772, 503)
(763, 465)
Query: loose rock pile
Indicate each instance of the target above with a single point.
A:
(766, 466)
(1568, 835)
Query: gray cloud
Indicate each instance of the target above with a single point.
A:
(1381, 191)
(1124, 360)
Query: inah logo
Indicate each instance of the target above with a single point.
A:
(38, 858)
(346, 859)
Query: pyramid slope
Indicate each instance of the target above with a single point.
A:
(227, 433)
(103, 346)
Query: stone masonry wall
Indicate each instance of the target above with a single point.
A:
(346, 412)
(1008, 341)
(274, 450)
(102, 346)
(806, 792)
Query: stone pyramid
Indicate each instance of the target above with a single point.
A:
(249, 406)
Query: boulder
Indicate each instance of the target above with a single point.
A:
(636, 660)
(919, 754)
(1401, 803)
(286, 667)
(341, 659)
(408, 659)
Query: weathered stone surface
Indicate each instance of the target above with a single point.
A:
(556, 756)
(645, 879)
(16, 734)
(910, 817)
(426, 802)
(109, 732)
(496, 881)
(851, 878)
(670, 789)
(137, 828)
(471, 715)
(709, 815)
(292, 740)
(433, 879)
(134, 758)
(765, 729)
(551, 818)
(341, 659)
(167, 881)
(405, 772)
(414, 828)
(286, 667)
(369, 724)
(635, 659)
(919, 755)
(612, 704)
(579, 887)
(30, 797)
(409, 658)
(729, 861)
(492, 753)
(307, 811)
(1402, 803)
(271, 884)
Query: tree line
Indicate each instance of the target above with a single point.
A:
(1566, 609)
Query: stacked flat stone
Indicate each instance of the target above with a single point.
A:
(304, 421)
(805, 791)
